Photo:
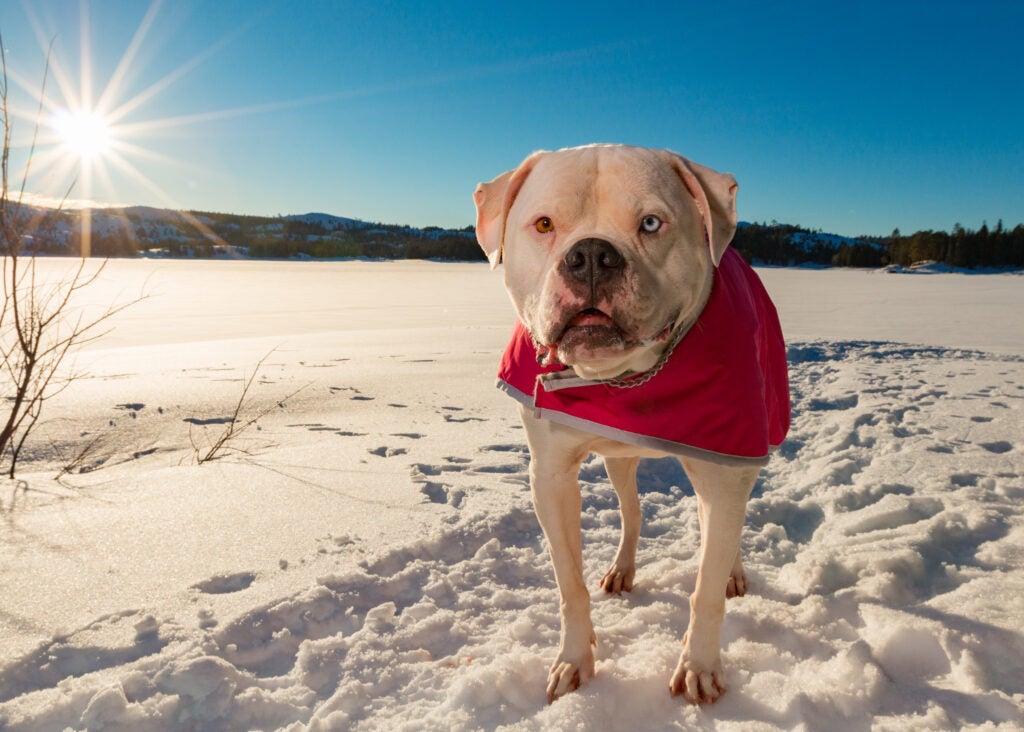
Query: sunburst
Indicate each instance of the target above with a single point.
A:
(80, 138)
(83, 134)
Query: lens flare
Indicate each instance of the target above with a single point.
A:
(84, 134)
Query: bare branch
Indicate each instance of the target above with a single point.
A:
(39, 325)
(35, 129)
(78, 463)
(226, 442)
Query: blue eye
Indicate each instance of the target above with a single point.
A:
(650, 224)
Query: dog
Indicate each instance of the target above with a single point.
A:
(639, 334)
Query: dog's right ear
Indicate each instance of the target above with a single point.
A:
(493, 201)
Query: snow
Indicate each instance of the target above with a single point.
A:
(368, 558)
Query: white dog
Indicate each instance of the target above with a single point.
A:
(640, 334)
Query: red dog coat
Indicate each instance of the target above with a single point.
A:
(722, 396)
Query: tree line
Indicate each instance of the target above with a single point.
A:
(263, 237)
(781, 244)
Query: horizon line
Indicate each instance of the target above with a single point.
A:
(70, 205)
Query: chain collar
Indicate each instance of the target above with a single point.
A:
(680, 330)
(640, 378)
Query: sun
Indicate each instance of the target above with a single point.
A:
(87, 140)
(86, 135)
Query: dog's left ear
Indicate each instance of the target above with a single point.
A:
(493, 201)
(716, 198)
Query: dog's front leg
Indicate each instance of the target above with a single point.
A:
(554, 470)
(722, 495)
(622, 473)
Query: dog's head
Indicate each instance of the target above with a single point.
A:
(606, 249)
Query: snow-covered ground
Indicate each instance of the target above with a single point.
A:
(368, 557)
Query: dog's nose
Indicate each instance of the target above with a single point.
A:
(593, 260)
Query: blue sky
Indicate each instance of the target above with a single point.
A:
(855, 118)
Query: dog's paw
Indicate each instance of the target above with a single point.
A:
(737, 585)
(563, 678)
(618, 579)
(698, 683)
(567, 674)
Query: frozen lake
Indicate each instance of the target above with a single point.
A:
(193, 300)
(368, 558)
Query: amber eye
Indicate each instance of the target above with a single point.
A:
(544, 225)
(650, 224)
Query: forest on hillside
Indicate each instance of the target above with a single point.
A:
(157, 232)
(781, 244)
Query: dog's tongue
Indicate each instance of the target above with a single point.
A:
(590, 317)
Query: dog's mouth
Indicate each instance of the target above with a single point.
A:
(590, 318)
(588, 332)
(593, 322)
(593, 333)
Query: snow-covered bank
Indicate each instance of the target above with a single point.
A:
(375, 562)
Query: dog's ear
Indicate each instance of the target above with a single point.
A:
(493, 201)
(716, 198)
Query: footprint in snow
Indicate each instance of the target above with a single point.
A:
(441, 493)
(831, 405)
(964, 480)
(422, 469)
(357, 395)
(505, 469)
(386, 452)
(858, 498)
(892, 512)
(997, 447)
(318, 427)
(223, 584)
(204, 422)
(505, 447)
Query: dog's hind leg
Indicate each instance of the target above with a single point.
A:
(736, 586)
(722, 494)
(622, 473)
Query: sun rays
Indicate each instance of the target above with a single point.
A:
(75, 139)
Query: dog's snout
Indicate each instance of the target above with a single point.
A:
(593, 260)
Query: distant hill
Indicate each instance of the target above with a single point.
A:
(141, 230)
(146, 231)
